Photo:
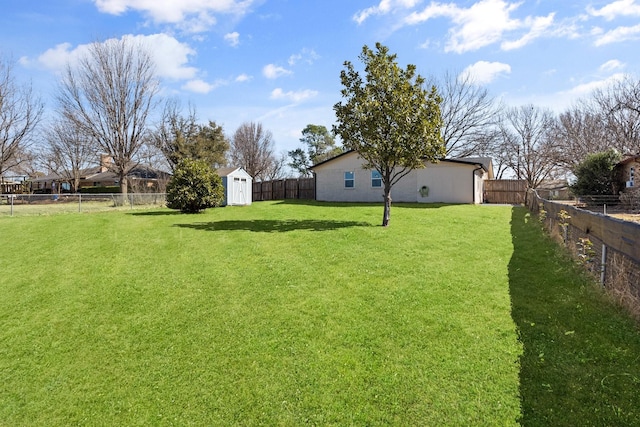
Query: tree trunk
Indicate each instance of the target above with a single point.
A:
(387, 207)
(123, 186)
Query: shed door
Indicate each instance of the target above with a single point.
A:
(240, 191)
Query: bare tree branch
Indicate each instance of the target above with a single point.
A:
(20, 113)
(252, 149)
(109, 96)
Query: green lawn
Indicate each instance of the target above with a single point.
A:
(303, 313)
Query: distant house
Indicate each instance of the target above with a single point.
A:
(140, 179)
(627, 170)
(237, 184)
(342, 179)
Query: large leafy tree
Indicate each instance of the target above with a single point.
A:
(179, 136)
(389, 118)
(596, 174)
(320, 145)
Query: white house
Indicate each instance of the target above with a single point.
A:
(342, 179)
(237, 184)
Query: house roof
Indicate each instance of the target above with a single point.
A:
(484, 162)
(630, 159)
(94, 174)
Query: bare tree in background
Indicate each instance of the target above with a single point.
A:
(108, 95)
(578, 132)
(527, 143)
(20, 113)
(276, 170)
(470, 115)
(619, 106)
(70, 151)
(252, 148)
(609, 118)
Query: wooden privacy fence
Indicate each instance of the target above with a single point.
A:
(280, 189)
(507, 191)
(605, 245)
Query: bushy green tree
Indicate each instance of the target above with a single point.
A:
(389, 118)
(320, 146)
(194, 187)
(596, 174)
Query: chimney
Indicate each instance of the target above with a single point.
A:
(105, 161)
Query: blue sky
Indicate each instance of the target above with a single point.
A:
(278, 61)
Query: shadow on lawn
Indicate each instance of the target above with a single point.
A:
(359, 204)
(273, 226)
(580, 363)
(156, 213)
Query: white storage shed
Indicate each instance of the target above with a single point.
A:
(238, 186)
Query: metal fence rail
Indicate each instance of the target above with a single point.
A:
(40, 204)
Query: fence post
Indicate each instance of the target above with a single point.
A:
(603, 265)
(11, 197)
(79, 202)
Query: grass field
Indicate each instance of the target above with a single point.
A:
(303, 313)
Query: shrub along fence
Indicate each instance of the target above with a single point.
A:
(280, 189)
(606, 246)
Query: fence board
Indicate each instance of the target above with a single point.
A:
(505, 191)
(623, 236)
(281, 189)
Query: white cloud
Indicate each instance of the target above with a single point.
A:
(483, 23)
(232, 38)
(296, 97)
(618, 35)
(243, 78)
(612, 65)
(615, 9)
(587, 88)
(307, 55)
(483, 72)
(383, 8)
(538, 27)
(200, 86)
(189, 15)
(272, 71)
(58, 57)
(171, 56)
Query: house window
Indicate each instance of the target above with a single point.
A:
(632, 177)
(349, 180)
(376, 179)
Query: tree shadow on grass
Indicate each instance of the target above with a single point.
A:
(359, 204)
(273, 226)
(580, 363)
(156, 213)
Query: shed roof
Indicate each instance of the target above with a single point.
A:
(229, 170)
